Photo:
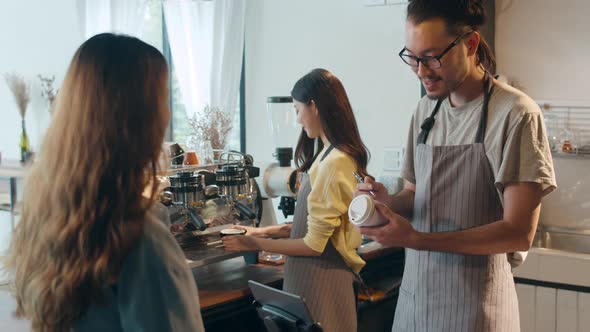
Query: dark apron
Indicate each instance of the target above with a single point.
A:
(326, 281)
(444, 291)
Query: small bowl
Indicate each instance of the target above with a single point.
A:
(231, 231)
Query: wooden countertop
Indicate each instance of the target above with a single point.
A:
(227, 281)
(373, 250)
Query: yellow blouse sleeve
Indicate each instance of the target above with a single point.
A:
(333, 184)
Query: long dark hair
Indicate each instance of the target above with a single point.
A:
(84, 208)
(459, 15)
(336, 117)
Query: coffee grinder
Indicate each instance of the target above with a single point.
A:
(279, 178)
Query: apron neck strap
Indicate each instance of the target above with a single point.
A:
(428, 123)
(488, 88)
(328, 150)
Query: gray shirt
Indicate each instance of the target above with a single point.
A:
(155, 290)
(516, 143)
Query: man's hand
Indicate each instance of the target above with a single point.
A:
(377, 188)
(398, 232)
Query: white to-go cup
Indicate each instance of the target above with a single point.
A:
(362, 212)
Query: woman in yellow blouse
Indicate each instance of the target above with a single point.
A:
(321, 246)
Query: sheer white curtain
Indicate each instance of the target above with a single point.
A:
(95, 16)
(206, 42)
(128, 16)
(121, 16)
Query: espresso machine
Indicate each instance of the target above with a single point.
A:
(202, 200)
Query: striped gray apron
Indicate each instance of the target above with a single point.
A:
(325, 282)
(443, 291)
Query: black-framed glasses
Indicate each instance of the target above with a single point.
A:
(431, 62)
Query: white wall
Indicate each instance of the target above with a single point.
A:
(36, 37)
(544, 46)
(285, 39)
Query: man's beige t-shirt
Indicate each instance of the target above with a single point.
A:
(515, 141)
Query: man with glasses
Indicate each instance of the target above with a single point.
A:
(477, 164)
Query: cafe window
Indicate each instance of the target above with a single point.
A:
(155, 33)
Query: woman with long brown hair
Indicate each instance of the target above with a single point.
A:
(322, 259)
(89, 253)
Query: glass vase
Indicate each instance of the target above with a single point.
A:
(24, 145)
(206, 152)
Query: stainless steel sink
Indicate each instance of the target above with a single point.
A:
(571, 240)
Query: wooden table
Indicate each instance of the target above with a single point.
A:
(11, 170)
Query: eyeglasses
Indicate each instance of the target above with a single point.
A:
(431, 62)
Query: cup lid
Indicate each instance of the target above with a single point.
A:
(360, 209)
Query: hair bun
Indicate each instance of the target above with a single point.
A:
(467, 12)
(475, 12)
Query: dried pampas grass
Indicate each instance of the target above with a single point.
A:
(213, 124)
(20, 90)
